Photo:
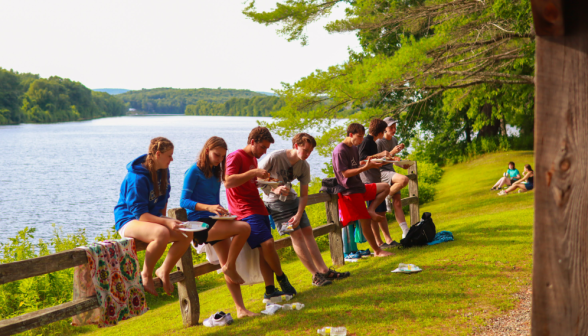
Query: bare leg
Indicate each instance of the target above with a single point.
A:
(397, 204)
(240, 232)
(265, 269)
(268, 251)
(315, 253)
(157, 236)
(384, 228)
(381, 192)
(399, 181)
(222, 249)
(369, 236)
(515, 186)
(302, 251)
(376, 229)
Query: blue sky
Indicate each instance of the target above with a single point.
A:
(147, 44)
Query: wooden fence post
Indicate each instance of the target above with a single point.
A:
(560, 237)
(187, 292)
(335, 238)
(413, 190)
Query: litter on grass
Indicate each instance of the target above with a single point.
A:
(271, 309)
(407, 268)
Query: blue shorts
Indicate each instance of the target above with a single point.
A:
(379, 208)
(260, 230)
(529, 186)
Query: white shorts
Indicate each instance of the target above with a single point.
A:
(121, 232)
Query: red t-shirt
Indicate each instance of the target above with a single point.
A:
(244, 200)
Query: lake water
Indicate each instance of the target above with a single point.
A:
(70, 173)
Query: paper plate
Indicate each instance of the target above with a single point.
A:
(194, 226)
(404, 162)
(223, 217)
(269, 183)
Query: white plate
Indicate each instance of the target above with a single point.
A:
(193, 226)
(269, 183)
(223, 217)
(404, 162)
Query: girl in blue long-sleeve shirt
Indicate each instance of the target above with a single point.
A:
(140, 212)
(201, 199)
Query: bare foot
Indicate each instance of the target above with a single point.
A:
(168, 287)
(148, 284)
(232, 273)
(383, 253)
(246, 313)
(375, 216)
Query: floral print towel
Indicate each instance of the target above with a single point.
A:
(112, 274)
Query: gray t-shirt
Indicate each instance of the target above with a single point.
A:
(387, 145)
(345, 158)
(278, 165)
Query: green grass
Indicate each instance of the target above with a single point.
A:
(463, 283)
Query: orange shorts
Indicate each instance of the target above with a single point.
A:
(352, 207)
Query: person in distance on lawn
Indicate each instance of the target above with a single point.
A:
(352, 200)
(245, 203)
(141, 208)
(287, 165)
(368, 148)
(201, 199)
(397, 181)
(525, 184)
(510, 176)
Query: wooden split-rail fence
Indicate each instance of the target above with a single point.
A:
(186, 270)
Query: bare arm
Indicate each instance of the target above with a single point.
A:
(295, 221)
(214, 208)
(356, 171)
(235, 180)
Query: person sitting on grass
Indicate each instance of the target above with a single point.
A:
(140, 213)
(201, 199)
(525, 184)
(287, 165)
(510, 176)
(245, 203)
(352, 200)
(396, 180)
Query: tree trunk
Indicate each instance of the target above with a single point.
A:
(494, 127)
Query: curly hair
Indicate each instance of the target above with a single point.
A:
(377, 126)
(259, 134)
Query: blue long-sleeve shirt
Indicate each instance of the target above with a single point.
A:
(199, 189)
(137, 195)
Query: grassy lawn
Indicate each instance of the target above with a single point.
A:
(463, 283)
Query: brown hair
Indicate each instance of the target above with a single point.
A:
(301, 138)
(162, 145)
(377, 126)
(528, 166)
(355, 128)
(260, 134)
(512, 163)
(204, 160)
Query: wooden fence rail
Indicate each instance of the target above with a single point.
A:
(184, 276)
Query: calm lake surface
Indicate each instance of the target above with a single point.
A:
(70, 173)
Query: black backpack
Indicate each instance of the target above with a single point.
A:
(421, 233)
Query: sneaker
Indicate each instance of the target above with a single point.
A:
(334, 275)
(352, 255)
(319, 280)
(502, 193)
(394, 243)
(364, 252)
(384, 246)
(218, 319)
(286, 286)
(275, 297)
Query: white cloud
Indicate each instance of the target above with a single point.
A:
(146, 44)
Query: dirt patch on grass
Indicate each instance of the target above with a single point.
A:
(515, 322)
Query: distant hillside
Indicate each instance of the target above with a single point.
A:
(112, 91)
(251, 107)
(175, 101)
(267, 93)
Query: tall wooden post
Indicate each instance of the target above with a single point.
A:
(187, 292)
(560, 251)
(413, 190)
(335, 238)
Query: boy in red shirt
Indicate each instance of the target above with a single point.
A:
(245, 203)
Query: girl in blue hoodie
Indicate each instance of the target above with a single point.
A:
(201, 199)
(141, 208)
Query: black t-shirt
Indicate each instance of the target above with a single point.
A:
(367, 148)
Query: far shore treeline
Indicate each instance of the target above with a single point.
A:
(28, 98)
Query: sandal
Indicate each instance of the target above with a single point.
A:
(334, 275)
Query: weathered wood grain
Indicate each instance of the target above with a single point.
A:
(560, 246)
(335, 237)
(413, 191)
(409, 200)
(43, 317)
(318, 198)
(38, 266)
(412, 177)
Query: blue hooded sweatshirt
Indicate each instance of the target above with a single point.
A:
(137, 195)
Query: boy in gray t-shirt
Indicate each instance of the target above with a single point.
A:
(397, 181)
(287, 165)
